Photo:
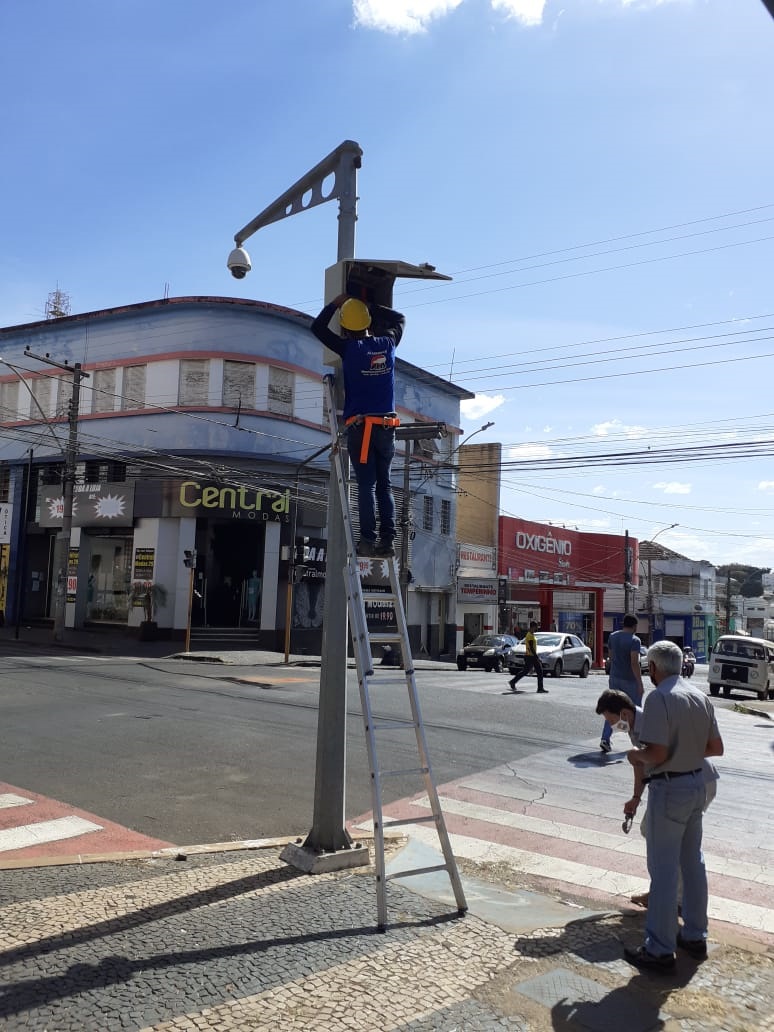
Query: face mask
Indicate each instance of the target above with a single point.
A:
(621, 726)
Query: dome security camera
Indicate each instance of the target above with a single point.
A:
(239, 263)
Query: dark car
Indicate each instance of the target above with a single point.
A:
(487, 651)
(643, 660)
(558, 653)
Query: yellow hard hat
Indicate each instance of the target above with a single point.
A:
(354, 315)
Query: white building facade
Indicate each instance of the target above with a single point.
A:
(197, 432)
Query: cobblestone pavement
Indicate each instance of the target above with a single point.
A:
(239, 940)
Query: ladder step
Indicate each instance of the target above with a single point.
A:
(386, 638)
(408, 770)
(396, 725)
(378, 596)
(416, 870)
(431, 819)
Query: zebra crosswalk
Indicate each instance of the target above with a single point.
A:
(559, 817)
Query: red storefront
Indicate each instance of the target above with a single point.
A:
(558, 577)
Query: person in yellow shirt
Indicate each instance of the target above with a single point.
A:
(531, 661)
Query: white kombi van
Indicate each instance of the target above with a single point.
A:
(746, 664)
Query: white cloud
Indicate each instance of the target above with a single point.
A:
(528, 12)
(481, 405)
(398, 16)
(530, 451)
(672, 487)
(614, 427)
(766, 485)
(413, 16)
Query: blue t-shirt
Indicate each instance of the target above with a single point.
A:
(369, 376)
(621, 645)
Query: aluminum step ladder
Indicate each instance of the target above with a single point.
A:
(358, 594)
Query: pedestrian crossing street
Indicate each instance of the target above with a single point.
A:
(33, 826)
(559, 817)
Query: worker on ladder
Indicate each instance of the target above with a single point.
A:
(368, 362)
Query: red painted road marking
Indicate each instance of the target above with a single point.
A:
(33, 825)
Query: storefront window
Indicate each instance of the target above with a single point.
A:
(108, 594)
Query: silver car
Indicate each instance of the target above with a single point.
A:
(558, 654)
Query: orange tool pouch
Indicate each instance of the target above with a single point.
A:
(370, 422)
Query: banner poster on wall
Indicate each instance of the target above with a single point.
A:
(72, 574)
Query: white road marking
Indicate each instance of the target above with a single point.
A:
(731, 911)
(633, 844)
(8, 799)
(45, 831)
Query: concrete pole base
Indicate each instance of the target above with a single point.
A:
(311, 862)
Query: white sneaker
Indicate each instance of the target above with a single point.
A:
(605, 746)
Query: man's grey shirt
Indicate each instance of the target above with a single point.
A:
(682, 718)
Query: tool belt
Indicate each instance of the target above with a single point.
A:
(667, 775)
(386, 422)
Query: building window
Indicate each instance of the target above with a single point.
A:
(194, 387)
(445, 516)
(427, 512)
(64, 395)
(133, 394)
(280, 391)
(91, 472)
(41, 393)
(5, 483)
(239, 384)
(104, 390)
(9, 400)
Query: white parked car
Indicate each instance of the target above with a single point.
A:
(558, 654)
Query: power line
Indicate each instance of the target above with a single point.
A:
(593, 272)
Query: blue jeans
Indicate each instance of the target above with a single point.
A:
(374, 489)
(631, 690)
(673, 838)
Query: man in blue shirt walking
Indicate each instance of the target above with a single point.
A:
(625, 674)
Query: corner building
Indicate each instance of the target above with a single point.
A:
(199, 424)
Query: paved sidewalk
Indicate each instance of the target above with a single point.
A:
(238, 940)
(117, 643)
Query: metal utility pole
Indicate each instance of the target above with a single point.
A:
(728, 602)
(651, 608)
(329, 834)
(62, 547)
(627, 572)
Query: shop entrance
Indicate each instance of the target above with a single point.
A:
(473, 625)
(229, 575)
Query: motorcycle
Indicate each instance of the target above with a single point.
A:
(689, 664)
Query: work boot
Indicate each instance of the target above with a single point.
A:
(696, 948)
(650, 961)
(385, 548)
(366, 548)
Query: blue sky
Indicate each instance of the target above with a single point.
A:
(595, 174)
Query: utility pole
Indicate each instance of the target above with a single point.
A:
(62, 547)
(627, 573)
(328, 834)
(728, 602)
